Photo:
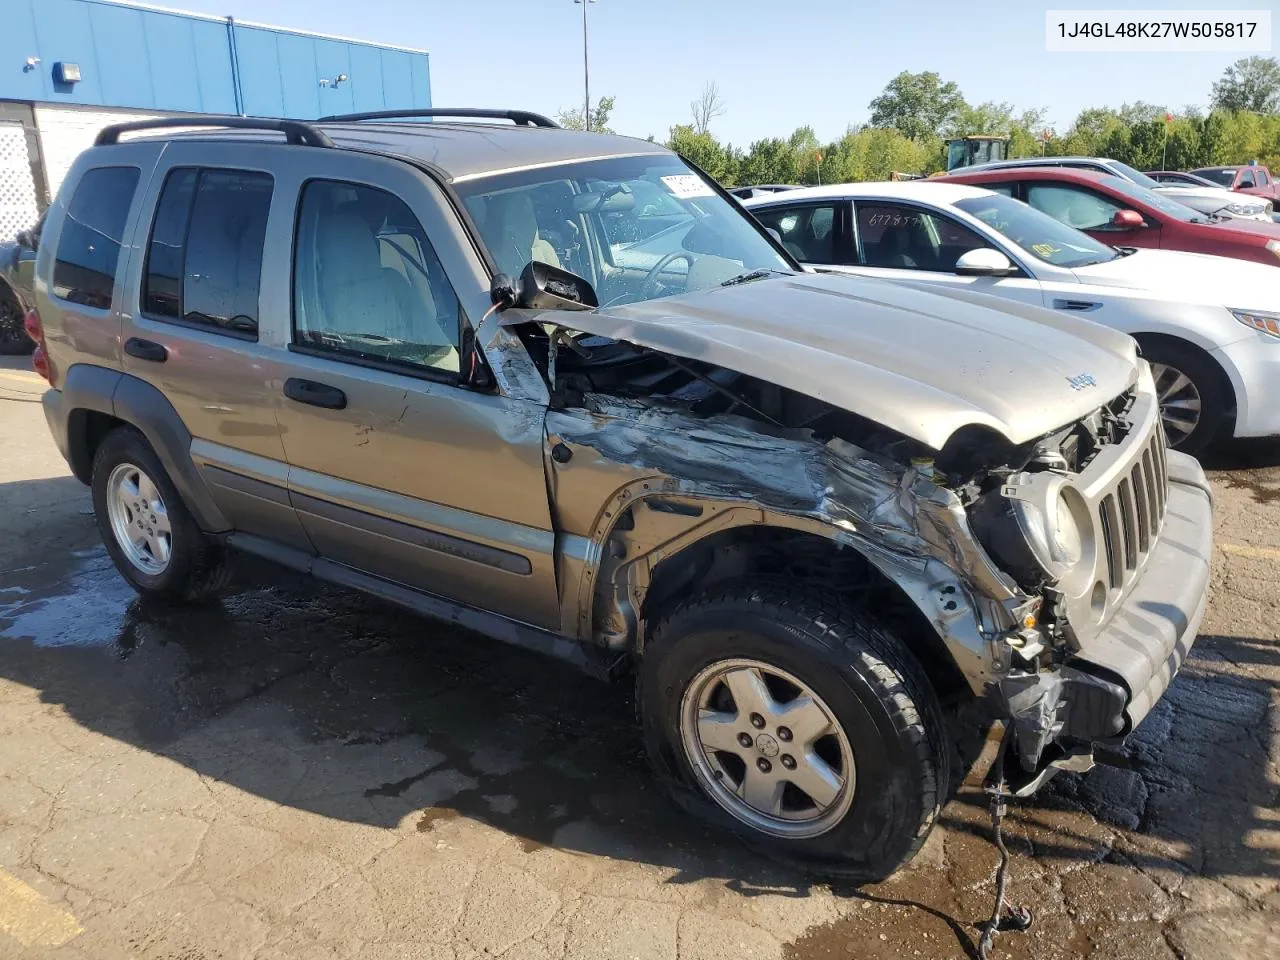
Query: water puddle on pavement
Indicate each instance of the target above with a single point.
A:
(87, 607)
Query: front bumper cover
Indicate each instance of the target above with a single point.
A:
(1105, 690)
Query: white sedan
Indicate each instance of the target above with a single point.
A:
(1210, 326)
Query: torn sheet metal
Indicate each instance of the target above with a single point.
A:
(703, 475)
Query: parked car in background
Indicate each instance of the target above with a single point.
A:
(1209, 326)
(17, 288)
(758, 190)
(1252, 179)
(1211, 201)
(1178, 178)
(1116, 211)
(801, 508)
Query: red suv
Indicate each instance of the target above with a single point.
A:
(1124, 214)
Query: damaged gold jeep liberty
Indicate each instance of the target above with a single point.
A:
(561, 389)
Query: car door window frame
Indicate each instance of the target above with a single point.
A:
(123, 258)
(845, 253)
(416, 371)
(144, 276)
(1120, 203)
(1020, 267)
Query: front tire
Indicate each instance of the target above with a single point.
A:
(148, 531)
(806, 728)
(1193, 395)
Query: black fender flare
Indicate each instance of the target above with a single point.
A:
(89, 388)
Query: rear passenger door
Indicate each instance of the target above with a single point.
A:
(193, 327)
(396, 467)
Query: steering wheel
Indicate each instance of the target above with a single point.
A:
(649, 286)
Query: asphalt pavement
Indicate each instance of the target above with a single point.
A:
(300, 772)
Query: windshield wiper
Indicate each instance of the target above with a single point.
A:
(754, 275)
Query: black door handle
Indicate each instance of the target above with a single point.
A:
(146, 350)
(315, 394)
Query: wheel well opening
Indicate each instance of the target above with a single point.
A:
(804, 561)
(1156, 340)
(85, 432)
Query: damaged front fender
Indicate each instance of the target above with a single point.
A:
(670, 481)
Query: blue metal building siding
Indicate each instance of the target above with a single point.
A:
(155, 60)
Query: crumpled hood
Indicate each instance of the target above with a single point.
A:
(1191, 278)
(904, 355)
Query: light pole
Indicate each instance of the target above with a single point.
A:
(586, 71)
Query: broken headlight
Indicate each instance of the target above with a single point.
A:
(1037, 527)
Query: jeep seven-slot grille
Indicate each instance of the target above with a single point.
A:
(1131, 512)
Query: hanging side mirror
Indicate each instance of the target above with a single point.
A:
(542, 287)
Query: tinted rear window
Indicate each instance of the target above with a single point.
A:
(84, 268)
(204, 262)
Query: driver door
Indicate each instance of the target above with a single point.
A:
(900, 241)
(1091, 213)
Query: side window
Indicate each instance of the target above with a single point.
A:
(808, 232)
(204, 261)
(1246, 180)
(1263, 179)
(911, 239)
(84, 268)
(1004, 189)
(1073, 206)
(366, 281)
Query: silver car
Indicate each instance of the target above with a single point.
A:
(559, 388)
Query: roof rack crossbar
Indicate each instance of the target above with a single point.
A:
(521, 118)
(295, 131)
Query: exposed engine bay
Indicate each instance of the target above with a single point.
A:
(961, 503)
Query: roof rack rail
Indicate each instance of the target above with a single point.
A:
(295, 131)
(521, 118)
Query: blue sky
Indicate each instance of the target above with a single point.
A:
(779, 65)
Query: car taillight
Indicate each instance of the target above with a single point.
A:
(39, 356)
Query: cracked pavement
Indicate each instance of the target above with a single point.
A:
(301, 772)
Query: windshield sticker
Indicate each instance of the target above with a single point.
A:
(687, 185)
(1045, 250)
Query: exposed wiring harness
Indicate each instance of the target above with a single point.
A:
(1014, 917)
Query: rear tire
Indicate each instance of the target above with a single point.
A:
(1194, 398)
(13, 335)
(148, 531)
(809, 651)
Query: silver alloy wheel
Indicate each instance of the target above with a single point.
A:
(139, 519)
(767, 749)
(1179, 402)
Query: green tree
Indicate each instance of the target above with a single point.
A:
(1140, 112)
(806, 149)
(1251, 84)
(600, 113)
(1213, 138)
(919, 105)
(769, 161)
(718, 160)
(1117, 144)
(1182, 151)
